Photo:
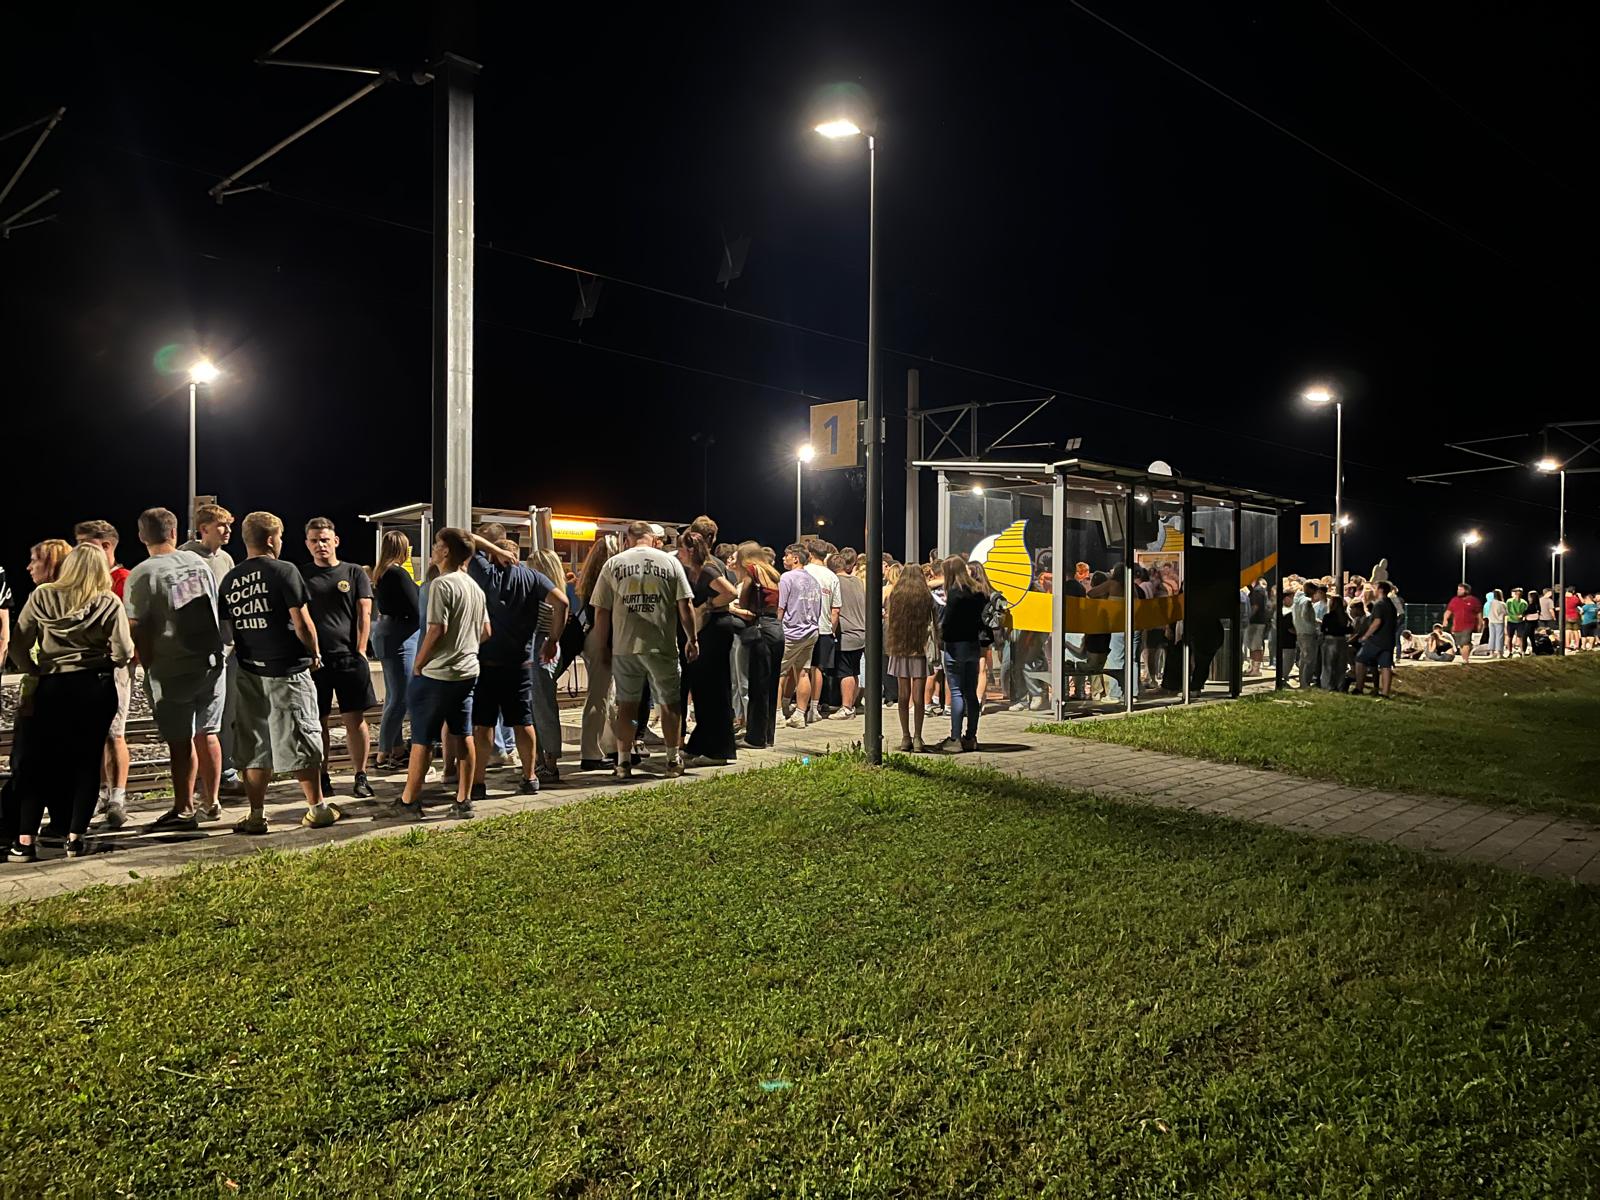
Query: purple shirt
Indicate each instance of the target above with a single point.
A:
(801, 601)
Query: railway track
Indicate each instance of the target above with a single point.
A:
(148, 772)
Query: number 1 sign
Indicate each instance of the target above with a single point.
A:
(835, 435)
(1316, 529)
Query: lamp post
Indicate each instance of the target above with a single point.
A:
(1322, 395)
(1550, 466)
(1468, 539)
(872, 733)
(202, 372)
(801, 457)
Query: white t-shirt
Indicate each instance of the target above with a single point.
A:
(829, 583)
(642, 587)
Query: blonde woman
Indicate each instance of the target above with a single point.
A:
(394, 640)
(80, 631)
(599, 708)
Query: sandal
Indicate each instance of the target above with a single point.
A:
(253, 825)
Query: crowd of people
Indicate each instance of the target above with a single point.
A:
(242, 662)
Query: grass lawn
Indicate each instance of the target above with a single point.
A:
(1523, 733)
(811, 981)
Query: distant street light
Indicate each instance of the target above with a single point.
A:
(801, 457)
(872, 732)
(1322, 395)
(203, 372)
(1468, 539)
(1550, 466)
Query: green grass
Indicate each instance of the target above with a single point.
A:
(1523, 733)
(814, 980)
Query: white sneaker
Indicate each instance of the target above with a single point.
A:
(812, 716)
(797, 721)
(842, 714)
(499, 758)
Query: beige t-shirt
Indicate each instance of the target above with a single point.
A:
(455, 601)
(642, 587)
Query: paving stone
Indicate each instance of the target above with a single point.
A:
(1503, 841)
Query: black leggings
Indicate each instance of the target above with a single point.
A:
(761, 709)
(72, 714)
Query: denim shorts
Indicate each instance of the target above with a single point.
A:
(188, 705)
(437, 704)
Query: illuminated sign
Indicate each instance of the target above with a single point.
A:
(569, 529)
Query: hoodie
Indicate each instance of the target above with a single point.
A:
(94, 638)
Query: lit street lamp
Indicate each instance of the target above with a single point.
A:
(202, 372)
(1550, 466)
(872, 733)
(1468, 539)
(1321, 395)
(801, 457)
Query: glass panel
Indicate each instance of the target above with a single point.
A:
(1008, 531)
(1258, 575)
(1213, 523)
(1092, 580)
(1159, 568)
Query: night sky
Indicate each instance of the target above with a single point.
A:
(1059, 208)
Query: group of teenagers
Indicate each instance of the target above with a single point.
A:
(242, 662)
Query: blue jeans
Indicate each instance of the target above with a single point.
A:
(1115, 663)
(961, 673)
(396, 678)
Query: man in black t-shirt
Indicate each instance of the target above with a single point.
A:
(264, 604)
(341, 606)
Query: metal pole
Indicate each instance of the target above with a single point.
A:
(913, 492)
(188, 521)
(452, 291)
(1338, 496)
(1463, 560)
(874, 449)
(1561, 540)
(799, 529)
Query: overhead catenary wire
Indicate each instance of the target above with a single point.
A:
(1034, 386)
(1291, 134)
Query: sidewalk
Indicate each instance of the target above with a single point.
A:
(1537, 844)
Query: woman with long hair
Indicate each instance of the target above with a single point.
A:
(960, 632)
(762, 638)
(907, 629)
(709, 678)
(80, 632)
(992, 601)
(394, 640)
(598, 741)
(44, 564)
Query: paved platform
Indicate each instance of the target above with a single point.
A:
(1531, 843)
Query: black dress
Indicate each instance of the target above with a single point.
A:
(764, 640)
(709, 679)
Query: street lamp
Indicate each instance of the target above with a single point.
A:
(872, 733)
(1468, 539)
(202, 372)
(1550, 466)
(1322, 395)
(801, 457)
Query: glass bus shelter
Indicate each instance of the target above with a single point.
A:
(1067, 543)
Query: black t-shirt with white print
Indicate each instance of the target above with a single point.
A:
(336, 593)
(257, 598)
